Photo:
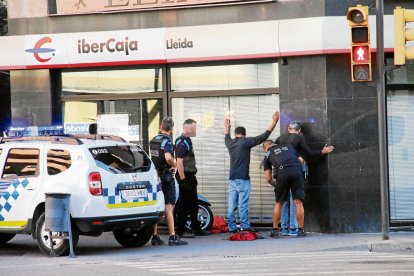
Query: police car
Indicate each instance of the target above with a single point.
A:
(113, 185)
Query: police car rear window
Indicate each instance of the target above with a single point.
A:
(121, 159)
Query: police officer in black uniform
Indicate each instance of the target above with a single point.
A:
(162, 155)
(186, 177)
(289, 178)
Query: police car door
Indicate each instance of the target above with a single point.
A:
(20, 180)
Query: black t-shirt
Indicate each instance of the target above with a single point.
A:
(280, 155)
(239, 151)
(299, 143)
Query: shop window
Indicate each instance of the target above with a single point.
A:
(22, 162)
(112, 81)
(224, 77)
(135, 120)
(58, 161)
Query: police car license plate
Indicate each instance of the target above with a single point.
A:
(134, 194)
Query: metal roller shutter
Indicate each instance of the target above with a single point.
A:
(254, 112)
(401, 155)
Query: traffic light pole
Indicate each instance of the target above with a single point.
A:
(382, 130)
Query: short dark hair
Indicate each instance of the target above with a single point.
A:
(93, 128)
(167, 123)
(240, 130)
(189, 121)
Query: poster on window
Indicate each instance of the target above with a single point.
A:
(113, 124)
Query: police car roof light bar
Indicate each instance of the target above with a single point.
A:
(99, 137)
(52, 139)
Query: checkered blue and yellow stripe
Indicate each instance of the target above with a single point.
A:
(114, 200)
(10, 191)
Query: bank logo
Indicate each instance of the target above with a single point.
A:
(39, 52)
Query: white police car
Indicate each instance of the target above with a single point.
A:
(113, 186)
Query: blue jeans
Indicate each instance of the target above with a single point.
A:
(239, 197)
(284, 221)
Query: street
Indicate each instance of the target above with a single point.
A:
(318, 254)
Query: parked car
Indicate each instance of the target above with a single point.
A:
(113, 185)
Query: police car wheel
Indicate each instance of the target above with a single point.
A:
(204, 216)
(133, 238)
(60, 246)
(6, 237)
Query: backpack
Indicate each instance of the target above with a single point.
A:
(244, 236)
(219, 225)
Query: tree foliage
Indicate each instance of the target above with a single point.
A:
(3, 17)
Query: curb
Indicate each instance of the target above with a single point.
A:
(391, 246)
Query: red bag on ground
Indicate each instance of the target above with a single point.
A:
(219, 225)
(244, 236)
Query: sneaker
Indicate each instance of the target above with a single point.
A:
(187, 235)
(175, 240)
(285, 231)
(301, 233)
(293, 232)
(251, 230)
(202, 233)
(275, 233)
(156, 240)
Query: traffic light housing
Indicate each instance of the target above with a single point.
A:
(403, 52)
(360, 43)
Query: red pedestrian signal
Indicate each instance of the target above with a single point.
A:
(360, 43)
(360, 54)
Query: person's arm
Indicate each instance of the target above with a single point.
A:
(180, 168)
(268, 176)
(227, 126)
(170, 159)
(168, 154)
(304, 148)
(180, 153)
(254, 141)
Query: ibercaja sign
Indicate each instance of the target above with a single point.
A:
(62, 7)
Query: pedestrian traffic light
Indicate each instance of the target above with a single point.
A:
(403, 52)
(360, 45)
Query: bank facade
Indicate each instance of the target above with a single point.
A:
(126, 64)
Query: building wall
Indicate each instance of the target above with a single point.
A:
(343, 193)
(25, 20)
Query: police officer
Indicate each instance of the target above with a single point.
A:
(297, 140)
(289, 178)
(186, 177)
(162, 155)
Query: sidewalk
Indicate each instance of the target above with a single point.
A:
(401, 241)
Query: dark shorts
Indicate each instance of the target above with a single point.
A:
(168, 188)
(291, 178)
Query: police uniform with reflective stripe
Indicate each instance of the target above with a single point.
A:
(159, 145)
(188, 201)
(289, 172)
(185, 150)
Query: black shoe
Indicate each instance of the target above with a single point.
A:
(156, 240)
(301, 233)
(202, 233)
(187, 235)
(234, 231)
(251, 230)
(175, 240)
(275, 233)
